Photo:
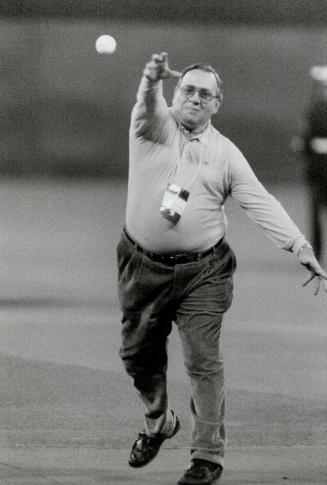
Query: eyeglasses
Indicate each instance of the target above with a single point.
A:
(204, 95)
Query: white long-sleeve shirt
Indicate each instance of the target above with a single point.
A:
(161, 151)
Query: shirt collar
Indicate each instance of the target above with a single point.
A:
(202, 137)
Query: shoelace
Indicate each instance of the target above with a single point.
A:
(142, 441)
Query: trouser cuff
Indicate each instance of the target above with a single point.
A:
(208, 440)
(208, 456)
(164, 425)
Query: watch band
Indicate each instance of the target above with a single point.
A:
(306, 245)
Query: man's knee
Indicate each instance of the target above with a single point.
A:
(204, 364)
(141, 364)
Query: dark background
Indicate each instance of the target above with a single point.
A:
(65, 109)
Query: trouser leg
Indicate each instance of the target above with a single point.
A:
(316, 225)
(146, 324)
(145, 360)
(204, 365)
(199, 320)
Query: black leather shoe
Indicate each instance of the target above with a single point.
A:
(146, 448)
(201, 472)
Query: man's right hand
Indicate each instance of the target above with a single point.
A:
(158, 68)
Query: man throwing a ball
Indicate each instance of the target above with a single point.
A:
(174, 262)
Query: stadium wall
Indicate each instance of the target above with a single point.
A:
(65, 109)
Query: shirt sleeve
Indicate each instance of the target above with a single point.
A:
(261, 207)
(150, 113)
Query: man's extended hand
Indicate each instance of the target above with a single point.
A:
(158, 68)
(307, 258)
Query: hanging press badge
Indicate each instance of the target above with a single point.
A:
(174, 202)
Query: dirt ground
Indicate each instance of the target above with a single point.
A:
(68, 412)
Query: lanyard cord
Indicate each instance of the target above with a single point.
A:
(180, 150)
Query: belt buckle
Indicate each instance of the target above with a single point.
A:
(172, 259)
(183, 258)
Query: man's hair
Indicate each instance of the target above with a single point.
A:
(206, 68)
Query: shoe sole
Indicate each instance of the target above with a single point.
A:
(140, 465)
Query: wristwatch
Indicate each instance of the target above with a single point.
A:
(306, 245)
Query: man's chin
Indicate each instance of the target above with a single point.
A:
(189, 120)
(189, 123)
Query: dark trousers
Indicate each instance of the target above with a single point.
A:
(194, 295)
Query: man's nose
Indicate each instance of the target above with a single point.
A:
(195, 98)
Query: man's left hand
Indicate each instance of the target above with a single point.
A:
(307, 258)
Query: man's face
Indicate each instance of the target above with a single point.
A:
(193, 112)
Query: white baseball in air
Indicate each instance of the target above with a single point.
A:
(319, 73)
(105, 44)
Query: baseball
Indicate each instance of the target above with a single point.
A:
(105, 44)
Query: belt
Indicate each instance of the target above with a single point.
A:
(173, 259)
